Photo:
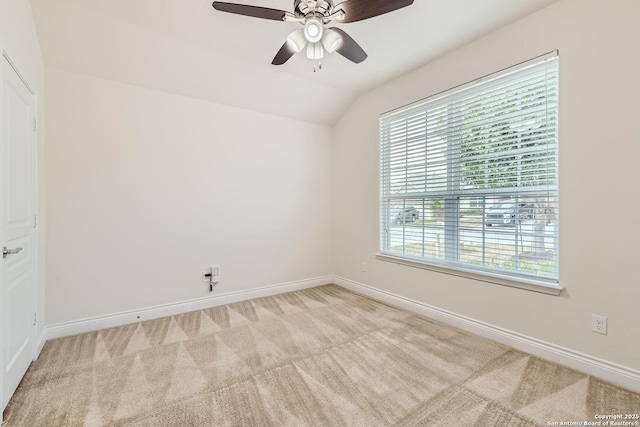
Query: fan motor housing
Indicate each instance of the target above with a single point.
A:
(313, 7)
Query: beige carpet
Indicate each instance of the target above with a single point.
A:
(318, 357)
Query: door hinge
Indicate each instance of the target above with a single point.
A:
(35, 124)
(35, 318)
(35, 221)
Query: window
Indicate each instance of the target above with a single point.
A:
(469, 178)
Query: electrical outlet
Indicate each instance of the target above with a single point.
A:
(364, 267)
(599, 324)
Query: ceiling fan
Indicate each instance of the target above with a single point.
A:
(314, 15)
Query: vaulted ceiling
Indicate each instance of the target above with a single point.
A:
(188, 48)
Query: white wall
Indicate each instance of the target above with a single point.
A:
(599, 151)
(19, 39)
(147, 189)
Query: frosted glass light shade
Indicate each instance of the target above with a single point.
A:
(297, 41)
(313, 30)
(331, 40)
(315, 51)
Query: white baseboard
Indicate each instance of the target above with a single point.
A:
(42, 339)
(620, 375)
(81, 326)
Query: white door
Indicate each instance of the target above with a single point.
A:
(17, 221)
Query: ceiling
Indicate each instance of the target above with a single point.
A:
(188, 48)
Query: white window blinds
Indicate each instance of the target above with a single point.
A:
(469, 177)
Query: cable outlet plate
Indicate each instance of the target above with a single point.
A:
(215, 273)
(599, 324)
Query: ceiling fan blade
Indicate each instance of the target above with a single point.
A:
(283, 55)
(349, 48)
(255, 11)
(357, 10)
(294, 44)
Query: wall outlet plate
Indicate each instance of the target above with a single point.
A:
(599, 324)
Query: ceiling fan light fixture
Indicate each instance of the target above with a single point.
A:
(331, 40)
(315, 51)
(313, 15)
(313, 30)
(297, 41)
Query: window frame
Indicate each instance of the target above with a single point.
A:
(451, 263)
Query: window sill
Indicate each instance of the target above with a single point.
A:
(529, 285)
